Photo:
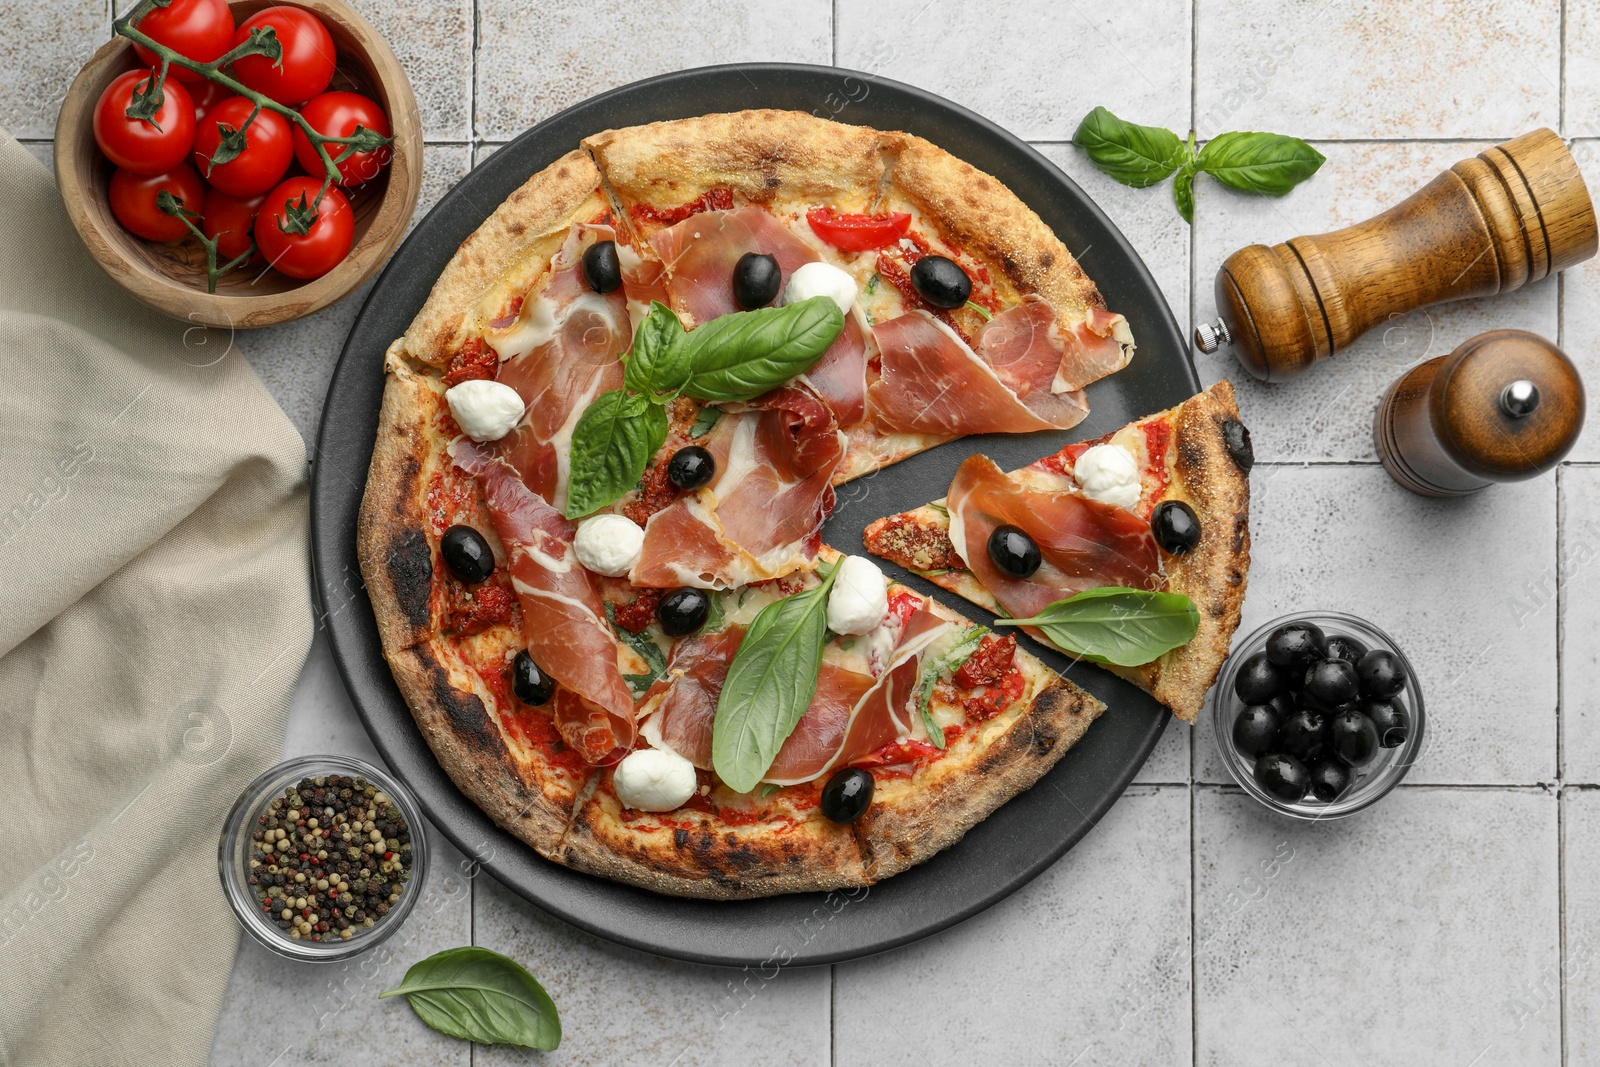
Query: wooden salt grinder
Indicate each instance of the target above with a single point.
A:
(1511, 215)
(1504, 406)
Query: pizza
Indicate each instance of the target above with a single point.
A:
(608, 442)
(1159, 504)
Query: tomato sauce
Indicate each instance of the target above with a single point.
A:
(638, 613)
(472, 611)
(995, 698)
(710, 200)
(993, 658)
(1157, 439)
(513, 309)
(536, 730)
(655, 493)
(475, 360)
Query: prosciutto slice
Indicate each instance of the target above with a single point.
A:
(852, 714)
(1093, 349)
(931, 381)
(1084, 544)
(564, 620)
(559, 354)
(762, 516)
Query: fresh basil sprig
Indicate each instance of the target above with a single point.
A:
(770, 684)
(479, 995)
(1117, 625)
(1269, 164)
(946, 664)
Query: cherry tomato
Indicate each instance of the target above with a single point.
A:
(133, 201)
(338, 115)
(858, 233)
(231, 220)
(207, 94)
(312, 254)
(308, 56)
(139, 145)
(201, 30)
(267, 153)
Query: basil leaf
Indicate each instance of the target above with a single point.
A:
(1183, 191)
(613, 440)
(658, 362)
(770, 684)
(948, 663)
(740, 356)
(655, 660)
(704, 421)
(1116, 625)
(1267, 163)
(1132, 154)
(482, 996)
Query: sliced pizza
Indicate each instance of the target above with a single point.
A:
(1160, 505)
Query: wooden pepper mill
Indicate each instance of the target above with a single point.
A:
(1504, 406)
(1511, 215)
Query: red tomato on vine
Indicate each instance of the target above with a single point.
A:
(330, 228)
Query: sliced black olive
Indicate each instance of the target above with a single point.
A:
(1014, 552)
(1236, 437)
(528, 682)
(1329, 779)
(602, 270)
(756, 279)
(1346, 648)
(848, 794)
(1283, 776)
(1354, 738)
(1304, 735)
(1390, 719)
(683, 611)
(1258, 680)
(1176, 526)
(1255, 731)
(1297, 645)
(1332, 682)
(941, 282)
(466, 553)
(1381, 674)
(691, 467)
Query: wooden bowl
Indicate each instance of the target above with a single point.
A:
(171, 277)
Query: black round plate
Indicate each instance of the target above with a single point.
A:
(999, 855)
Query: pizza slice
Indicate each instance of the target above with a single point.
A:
(1161, 504)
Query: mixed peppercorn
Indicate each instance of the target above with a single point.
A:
(329, 858)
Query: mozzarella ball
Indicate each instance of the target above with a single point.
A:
(485, 410)
(608, 544)
(1109, 474)
(821, 279)
(859, 598)
(653, 779)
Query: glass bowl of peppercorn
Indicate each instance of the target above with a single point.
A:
(322, 857)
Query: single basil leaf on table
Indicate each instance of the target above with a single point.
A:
(1183, 190)
(613, 440)
(740, 356)
(1266, 163)
(1116, 625)
(479, 995)
(1132, 154)
(658, 362)
(770, 684)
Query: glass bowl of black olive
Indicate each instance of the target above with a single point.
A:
(323, 857)
(1318, 714)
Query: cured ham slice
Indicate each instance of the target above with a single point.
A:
(840, 376)
(564, 618)
(1093, 349)
(931, 381)
(762, 516)
(559, 354)
(1085, 544)
(700, 252)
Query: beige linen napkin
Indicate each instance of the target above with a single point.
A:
(155, 581)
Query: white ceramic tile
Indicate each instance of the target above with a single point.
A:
(1050, 975)
(1580, 969)
(1170, 760)
(1578, 582)
(1405, 934)
(433, 40)
(620, 1006)
(42, 51)
(1583, 69)
(1372, 68)
(1580, 303)
(1036, 70)
(1447, 580)
(532, 62)
(1326, 413)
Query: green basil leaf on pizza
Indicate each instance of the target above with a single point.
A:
(658, 362)
(740, 356)
(1116, 625)
(611, 444)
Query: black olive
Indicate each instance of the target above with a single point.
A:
(602, 270)
(1345, 648)
(1255, 731)
(1304, 735)
(1176, 526)
(683, 611)
(756, 279)
(848, 794)
(691, 467)
(528, 682)
(1332, 682)
(1354, 738)
(1389, 718)
(1014, 552)
(1297, 645)
(1381, 674)
(466, 553)
(1258, 681)
(1283, 776)
(1236, 437)
(941, 282)
(1328, 779)
(1284, 704)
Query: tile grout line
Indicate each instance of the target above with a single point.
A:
(1194, 796)
(1561, 769)
(1561, 85)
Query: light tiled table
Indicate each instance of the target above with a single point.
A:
(1459, 922)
